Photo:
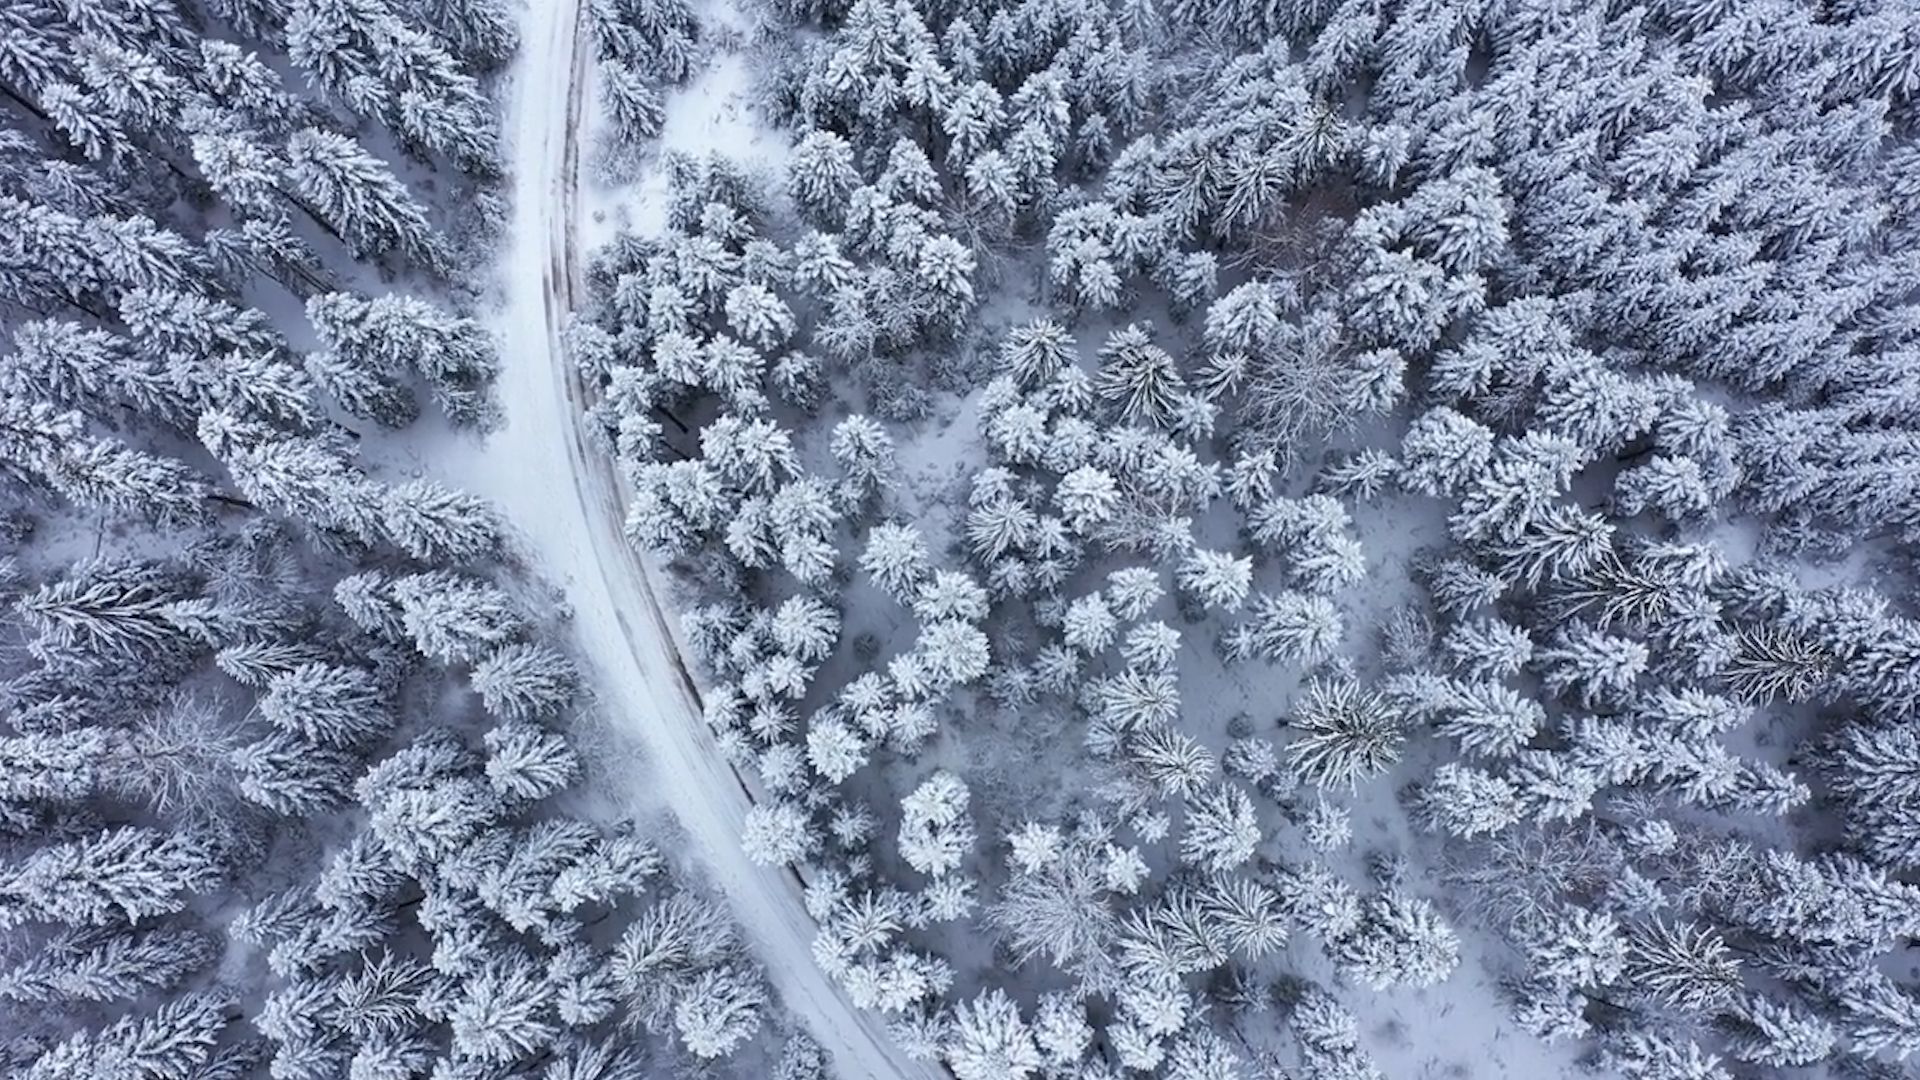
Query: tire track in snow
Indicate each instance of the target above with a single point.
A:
(568, 499)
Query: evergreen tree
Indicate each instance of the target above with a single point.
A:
(865, 453)
(1553, 786)
(293, 777)
(51, 767)
(102, 612)
(107, 965)
(126, 872)
(1882, 1017)
(1776, 1034)
(1576, 947)
(1464, 801)
(822, 175)
(174, 1040)
(1518, 487)
(777, 833)
(1489, 718)
(943, 271)
(720, 1010)
(1656, 1055)
(909, 175)
(1088, 497)
(103, 474)
(1221, 829)
(1401, 940)
(436, 524)
(372, 341)
(806, 628)
(525, 681)
(453, 618)
(525, 762)
(357, 197)
(1564, 542)
(69, 365)
(1137, 376)
(361, 874)
(363, 391)
(896, 558)
(1488, 648)
(1034, 352)
(504, 1013)
(367, 598)
(952, 653)
(1682, 966)
(990, 1041)
(1286, 626)
(758, 316)
(306, 479)
(1216, 579)
(1592, 665)
(328, 705)
(1350, 734)
(631, 104)
(935, 833)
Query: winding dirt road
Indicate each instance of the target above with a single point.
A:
(567, 499)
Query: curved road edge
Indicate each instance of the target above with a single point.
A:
(568, 500)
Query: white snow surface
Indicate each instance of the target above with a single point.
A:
(566, 502)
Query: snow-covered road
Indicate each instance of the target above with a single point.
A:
(565, 499)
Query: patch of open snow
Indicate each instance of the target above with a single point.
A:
(710, 115)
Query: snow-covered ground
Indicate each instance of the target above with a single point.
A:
(1030, 762)
(566, 503)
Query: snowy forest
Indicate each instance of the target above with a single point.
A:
(975, 539)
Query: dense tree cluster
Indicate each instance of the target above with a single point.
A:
(1513, 404)
(642, 48)
(713, 346)
(1600, 649)
(279, 737)
(1584, 301)
(184, 718)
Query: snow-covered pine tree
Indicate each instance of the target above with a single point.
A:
(372, 341)
(779, 833)
(293, 777)
(1778, 1034)
(453, 618)
(1349, 734)
(505, 1012)
(1139, 378)
(111, 964)
(1591, 666)
(329, 704)
(935, 832)
(1221, 830)
(1401, 940)
(1286, 626)
(865, 453)
(989, 1040)
(1467, 802)
(525, 681)
(357, 197)
(176, 1038)
(822, 175)
(1216, 579)
(121, 873)
(437, 524)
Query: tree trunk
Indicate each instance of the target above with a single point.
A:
(24, 103)
(672, 419)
